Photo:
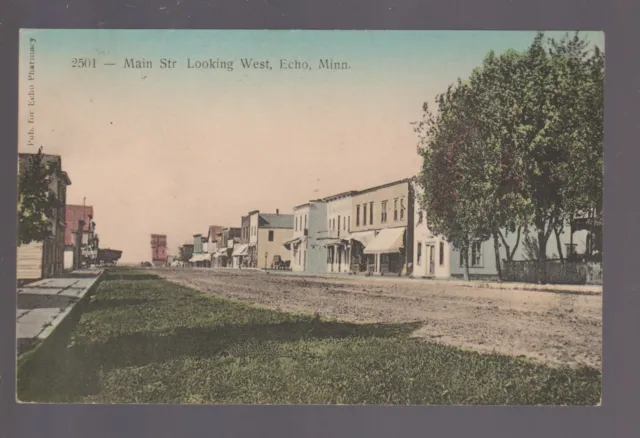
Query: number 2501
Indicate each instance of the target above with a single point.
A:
(83, 63)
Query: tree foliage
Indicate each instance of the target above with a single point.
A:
(36, 201)
(517, 147)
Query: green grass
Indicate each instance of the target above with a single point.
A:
(140, 339)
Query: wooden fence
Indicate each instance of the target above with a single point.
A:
(553, 272)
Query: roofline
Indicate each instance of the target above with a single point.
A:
(31, 154)
(78, 205)
(276, 214)
(340, 195)
(253, 212)
(267, 226)
(383, 186)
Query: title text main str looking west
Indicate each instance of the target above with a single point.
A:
(215, 64)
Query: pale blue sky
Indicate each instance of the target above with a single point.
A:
(175, 150)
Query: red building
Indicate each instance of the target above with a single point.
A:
(74, 214)
(158, 249)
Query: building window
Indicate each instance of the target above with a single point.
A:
(383, 212)
(305, 221)
(338, 224)
(364, 214)
(420, 216)
(270, 235)
(475, 255)
(357, 215)
(571, 249)
(419, 258)
(441, 253)
(402, 209)
(296, 223)
(371, 213)
(395, 209)
(349, 222)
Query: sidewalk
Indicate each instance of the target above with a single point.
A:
(43, 305)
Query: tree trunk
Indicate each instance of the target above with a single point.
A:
(558, 244)
(465, 257)
(572, 255)
(542, 257)
(496, 248)
(510, 253)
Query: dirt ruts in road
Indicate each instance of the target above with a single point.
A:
(552, 327)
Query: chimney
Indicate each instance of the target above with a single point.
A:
(277, 211)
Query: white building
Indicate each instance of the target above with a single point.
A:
(431, 254)
(298, 243)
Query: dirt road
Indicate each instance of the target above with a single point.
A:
(557, 328)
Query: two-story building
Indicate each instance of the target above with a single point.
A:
(268, 233)
(75, 215)
(243, 253)
(431, 253)
(308, 250)
(337, 239)
(252, 249)
(200, 258)
(41, 259)
(382, 229)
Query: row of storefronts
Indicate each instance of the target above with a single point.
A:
(381, 230)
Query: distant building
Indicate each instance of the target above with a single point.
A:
(308, 250)
(337, 239)
(268, 233)
(75, 215)
(46, 258)
(159, 249)
(227, 238)
(186, 252)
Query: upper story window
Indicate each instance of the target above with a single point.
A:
(371, 213)
(270, 235)
(420, 216)
(395, 209)
(402, 208)
(364, 214)
(357, 215)
(383, 212)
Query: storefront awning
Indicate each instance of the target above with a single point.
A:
(387, 241)
(364, 237)
(200, 257)
(220, 252)
(332, 241)
(294, 242)
(240, 250)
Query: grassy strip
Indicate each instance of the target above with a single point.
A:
(143, 340)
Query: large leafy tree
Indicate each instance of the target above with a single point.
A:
(497, 113)
(37, 203)
(453, 179)
(517, 148)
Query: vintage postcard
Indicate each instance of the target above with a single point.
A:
(310, 217)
